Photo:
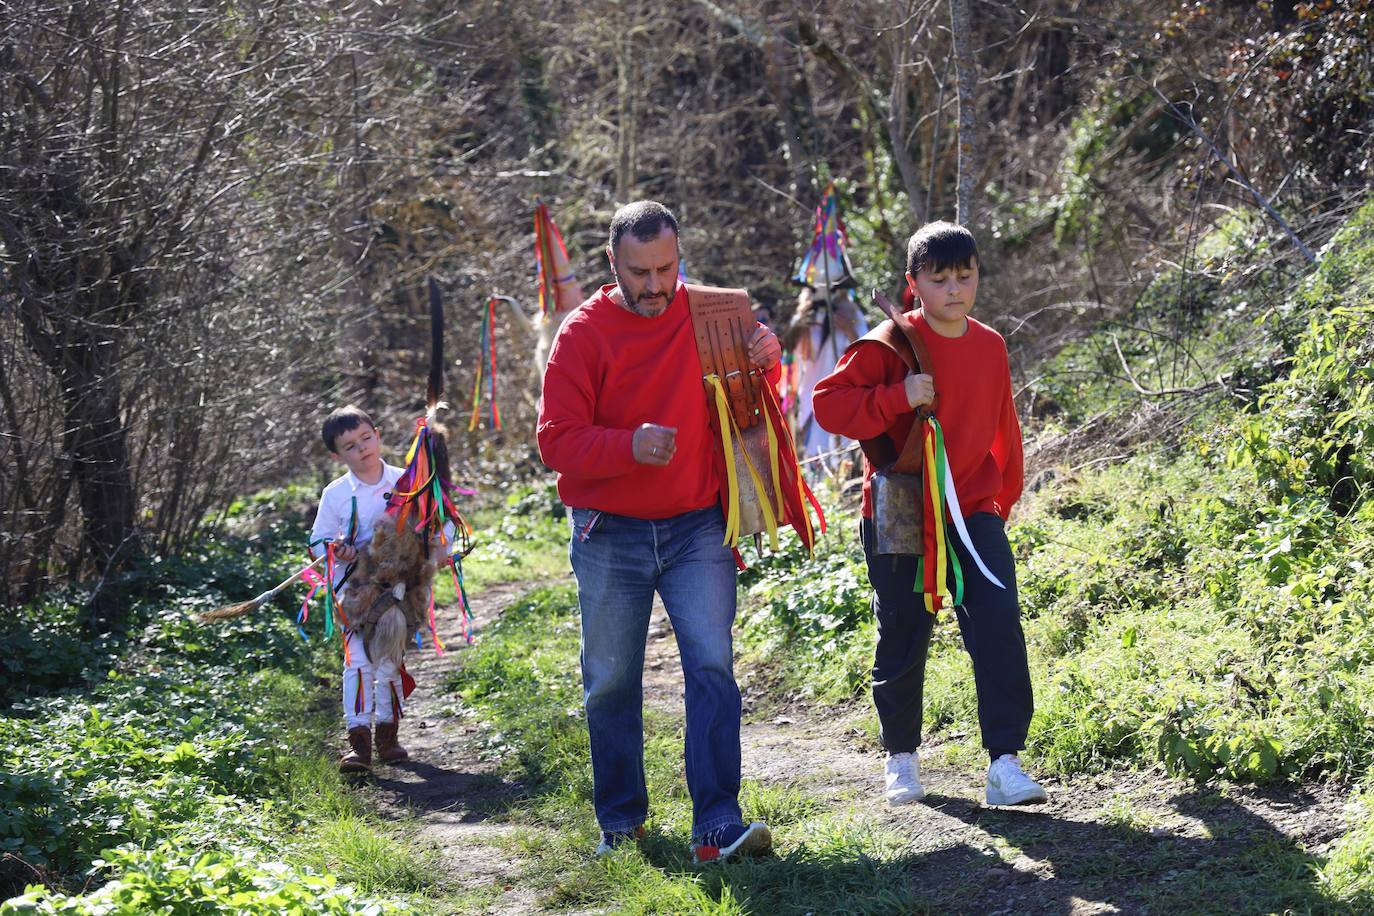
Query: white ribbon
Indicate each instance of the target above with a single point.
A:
(954, 510)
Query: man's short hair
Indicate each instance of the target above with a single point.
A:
(643, 219)
(347, 417)
(939, 246)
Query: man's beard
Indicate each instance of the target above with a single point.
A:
(635, 306)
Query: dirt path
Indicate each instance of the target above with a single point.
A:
(1115, 843)
(443, 789)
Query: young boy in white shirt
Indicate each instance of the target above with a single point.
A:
(349, 508)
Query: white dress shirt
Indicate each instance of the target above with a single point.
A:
(336, 509)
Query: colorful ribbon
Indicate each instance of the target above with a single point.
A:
(826, 262)
(423, 493)
(783, 504)
(332, 608)
(940, 502)
(486, 372)
(455, 566)
(957, 514)
(558, 288)
(790, 382)
(933, 577)
(793, 490)
(314, 580)
(727, 423)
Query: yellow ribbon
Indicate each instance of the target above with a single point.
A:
(732, 516)
(773, 449)
(774, 416)
(941, 548)
(770, 521)
(732, 480)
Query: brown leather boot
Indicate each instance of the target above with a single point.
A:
(358, 757)
(389, 750)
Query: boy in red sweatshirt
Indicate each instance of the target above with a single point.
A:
(872, 393)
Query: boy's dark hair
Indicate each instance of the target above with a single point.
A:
(939, 246)
(643, 219)
(341, 421)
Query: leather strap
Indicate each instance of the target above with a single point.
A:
(901, 337)
(722, 320)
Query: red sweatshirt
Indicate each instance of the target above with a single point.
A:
(611, 370)
(865, 396)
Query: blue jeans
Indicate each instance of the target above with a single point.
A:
(619, 563)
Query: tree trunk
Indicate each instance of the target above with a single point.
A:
(896, 122)
(105, 487)
(626, 89)
(970, 135)
(361, 326)
(784, 86)
(86, 365)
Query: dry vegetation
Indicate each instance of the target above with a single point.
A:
(215, 222)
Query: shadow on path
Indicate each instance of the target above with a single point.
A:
(1230, 860)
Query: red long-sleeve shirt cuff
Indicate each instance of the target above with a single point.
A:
(591, 454)
(892, 400)
(624, 440)
(774, 374)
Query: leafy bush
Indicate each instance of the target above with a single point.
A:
(178, 766)
(168, 879)
(145, 757)
(1216, 619)
(812, 615)
(1311, 82)
(48, 651)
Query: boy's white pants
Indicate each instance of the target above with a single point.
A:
(368, 689)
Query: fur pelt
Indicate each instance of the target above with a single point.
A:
(388, 594)
(546, 329)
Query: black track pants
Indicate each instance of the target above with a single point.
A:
(989, 620)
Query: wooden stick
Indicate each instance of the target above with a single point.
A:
(229, 611)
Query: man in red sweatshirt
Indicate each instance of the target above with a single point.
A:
(872, 394)
(623, 420)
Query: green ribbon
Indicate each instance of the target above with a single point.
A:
(941, 460)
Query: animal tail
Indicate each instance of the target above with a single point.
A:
(434, 391)
(389, 638)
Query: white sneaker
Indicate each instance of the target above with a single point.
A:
(1009, 785)
(904, 779)
(609, 841)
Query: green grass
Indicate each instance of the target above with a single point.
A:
(344, 840)
(183, 765)
(373, 861)
(1349, 870)
(522, 539)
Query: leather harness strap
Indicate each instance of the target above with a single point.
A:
(761, 487)
(906, 342)
(722, 320)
